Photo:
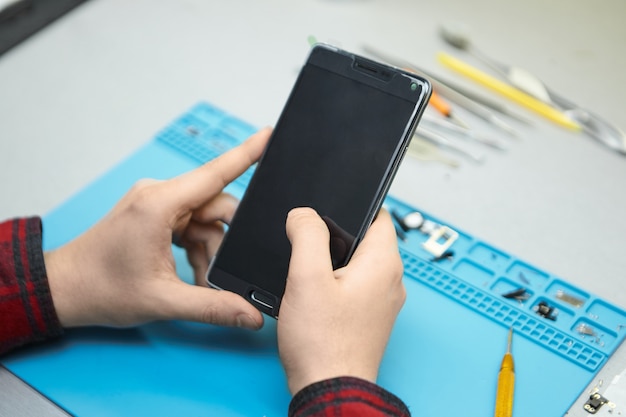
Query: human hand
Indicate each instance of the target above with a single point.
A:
(337, 323)
(121, 272)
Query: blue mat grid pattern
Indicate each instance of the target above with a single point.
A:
(493, 307)
(583, 328)
(477, 276)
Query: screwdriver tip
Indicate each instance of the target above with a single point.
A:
(454, 118)
(510, 339)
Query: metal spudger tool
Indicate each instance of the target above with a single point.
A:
(506, 383)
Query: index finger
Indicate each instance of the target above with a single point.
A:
(194, 188)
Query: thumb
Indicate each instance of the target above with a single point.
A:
(207, 305)
(310, 245)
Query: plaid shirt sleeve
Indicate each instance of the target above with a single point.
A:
(27, 313)
(346, 397)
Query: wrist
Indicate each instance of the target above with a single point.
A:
(64, 288)
(322, 373)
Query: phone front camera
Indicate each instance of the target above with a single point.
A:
(413, 86)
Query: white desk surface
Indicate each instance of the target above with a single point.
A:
(91, 88)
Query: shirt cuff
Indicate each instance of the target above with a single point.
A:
(26, 305)
(346, 396)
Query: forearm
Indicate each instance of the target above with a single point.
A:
(27, 312)
(346, 397)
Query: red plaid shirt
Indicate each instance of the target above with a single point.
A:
(26, 310)
(346, 397)
(27, 315)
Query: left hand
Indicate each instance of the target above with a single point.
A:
(121, 272)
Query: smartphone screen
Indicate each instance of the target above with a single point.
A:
(335, 148)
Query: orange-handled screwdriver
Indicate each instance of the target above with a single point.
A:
(506, 383)
(444, 108)
(437, 102)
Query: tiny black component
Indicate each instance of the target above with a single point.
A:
(192, 131)
(546, 311)
(411, 221)
(398, 225)
(400, 233)
(449, 254)
(594, 403)
(523, 278)
(518, 294)
(399, 220)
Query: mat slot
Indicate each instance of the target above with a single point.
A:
(607, 316)
(527, 275)
(489, 257)
(567, 294)
(504, 286)
(473, 273)
(594, 333)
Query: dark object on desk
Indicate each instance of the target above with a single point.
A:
(22, 18)
(546, 311)
(449, 254)
(411, 221)
(13, 8)
(519, 294)
(594, 403)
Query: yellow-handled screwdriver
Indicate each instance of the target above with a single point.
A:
(506, 383)
(508, 91)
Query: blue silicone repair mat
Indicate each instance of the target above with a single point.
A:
(443, 357)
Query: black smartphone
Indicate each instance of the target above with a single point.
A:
(336, 148)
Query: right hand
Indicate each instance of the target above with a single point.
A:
(337, 323)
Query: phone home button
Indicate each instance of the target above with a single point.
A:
(262, 299)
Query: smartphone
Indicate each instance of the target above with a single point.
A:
(335, 148)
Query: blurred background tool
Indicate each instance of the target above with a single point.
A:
(507, 91)
(443, 124)
(457, 37)
(423, 150)
(506, 383)
(439, 140)
(466, 98)
(444, 108)
(20, 19)
(592, 124)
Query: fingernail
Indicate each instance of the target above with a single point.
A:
(246, 321)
